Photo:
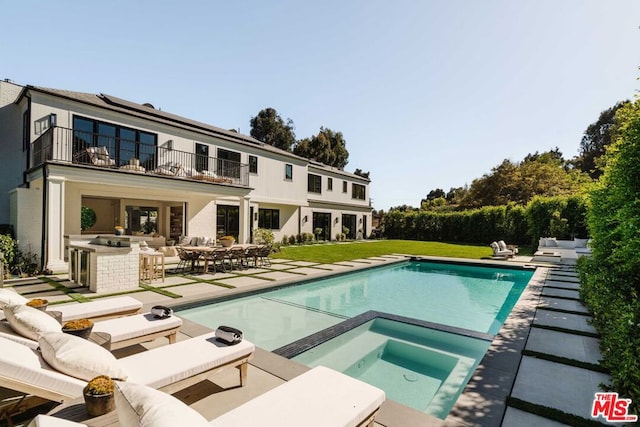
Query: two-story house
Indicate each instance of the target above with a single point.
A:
(150, 171)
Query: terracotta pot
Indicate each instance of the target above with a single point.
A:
(99, 404)
(227, 243)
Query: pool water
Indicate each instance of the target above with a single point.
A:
(420, 367)
(469, 297)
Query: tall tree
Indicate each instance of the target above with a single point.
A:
(361, 173)
(269, 128)
(327, 147)
(595, 141)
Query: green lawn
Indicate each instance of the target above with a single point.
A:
(331, 252)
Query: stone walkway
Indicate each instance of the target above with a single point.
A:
(559, 369)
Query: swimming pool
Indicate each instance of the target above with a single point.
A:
(456, 299)
(463, 296)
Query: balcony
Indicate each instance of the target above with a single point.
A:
(63, 145)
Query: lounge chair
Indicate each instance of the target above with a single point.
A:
(124, 331)
(318, 398)
(99, 156)
(103, 308)
(168, 368)
(500, 253)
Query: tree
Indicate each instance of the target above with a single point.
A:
(361, 173)
(269, 128)
(595, 140)
(539, 174)
(326, 147)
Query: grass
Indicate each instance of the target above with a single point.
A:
(331, 252)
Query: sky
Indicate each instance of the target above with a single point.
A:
(427, 93)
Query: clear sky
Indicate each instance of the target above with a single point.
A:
(427, 93)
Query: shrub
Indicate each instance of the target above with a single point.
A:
(263, 236)
(285, 240)
(292, 240)
(299, 238)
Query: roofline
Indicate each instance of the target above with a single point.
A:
(204, 129)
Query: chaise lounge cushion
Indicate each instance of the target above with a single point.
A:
(139, 405)
(30, 322)
(319, 397)
(99, 308)
(195, 355)
(42, 420)
(10, 297)
(129, 327)
(78, 357)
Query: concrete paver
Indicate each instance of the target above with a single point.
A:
(517, 418)
(557, 385)
(563, 304)
(576, 322)
(570, 346)
(562, 293)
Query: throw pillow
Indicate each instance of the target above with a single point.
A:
(30, 322)
(139, 405)
(9, 297)
(78, 357)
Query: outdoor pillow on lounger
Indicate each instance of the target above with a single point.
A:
(170, 367)
(318, 398)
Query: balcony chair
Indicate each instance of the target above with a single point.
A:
(99, 156)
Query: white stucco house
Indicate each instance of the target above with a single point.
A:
(150, 171)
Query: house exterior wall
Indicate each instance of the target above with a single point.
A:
(268, 188)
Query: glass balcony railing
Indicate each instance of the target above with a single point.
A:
(63, 145)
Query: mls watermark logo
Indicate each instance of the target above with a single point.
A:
(612, 408)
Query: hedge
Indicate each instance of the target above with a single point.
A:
(511, 223)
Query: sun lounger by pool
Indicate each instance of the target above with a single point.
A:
(99, 308)
(124, 331)
(169, 368)
(319, 397)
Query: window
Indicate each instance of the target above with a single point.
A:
(202, 157)
(26, 125)
(228, 163)
(288, 171)
(253, 164)
(330, 184)
(314, 183)
(123, 143)
(269, 218)
(344, 186)
(358, 191)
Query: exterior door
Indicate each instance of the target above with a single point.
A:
(322, 221)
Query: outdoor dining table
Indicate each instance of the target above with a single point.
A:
(208, 249)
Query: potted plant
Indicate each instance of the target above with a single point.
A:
(227, 241)
(98, 396)
(39, 303)
(80, 327)
(119, 230)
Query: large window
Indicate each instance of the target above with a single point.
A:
(358, 191)
(269, 218)
(122, 143)
(314, 183)
(253, 164)
(228, 163)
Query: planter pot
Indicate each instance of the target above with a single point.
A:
(42, 307)
(99, 404)
(82, 333)
(118, 232)
(227, 243)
